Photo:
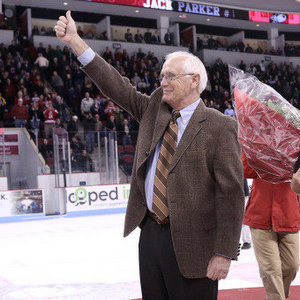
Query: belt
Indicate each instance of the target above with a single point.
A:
(158, 220)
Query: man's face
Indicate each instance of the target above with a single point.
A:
(178, 89)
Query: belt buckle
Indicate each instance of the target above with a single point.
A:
(157, 219)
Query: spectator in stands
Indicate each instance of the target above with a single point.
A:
(57, 83)
(43, 30)
(169, 37)
(58, 123)
(241, 46)
(148, 36)
(50, 115)
(249, 49)
(89, 123)
(20, 114)
(20, 96)
(72, 127)
(96, 108)
(262, 66)
(138, 37)
(107, 54)
(229, 111)
(76, 146)
(111, 124)
(103, 35)
(90, 35)
(213, 104)
(46, 149)
(126, 137)
(110, 109)
(9, 91)
(2, 108)
(86, 104)
(155, 38)
(119, 118)
(211, 43)
(118, 55)
(35, 115)
(98, 124)
(140, 54)
(199, 44)
(61, 107)
(43, 64)
(128, 36)
(242, 65)
(287, 91)
(252, 69)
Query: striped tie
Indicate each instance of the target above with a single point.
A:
(167, 150)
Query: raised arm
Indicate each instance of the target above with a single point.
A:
(66, 31)
(105, 76)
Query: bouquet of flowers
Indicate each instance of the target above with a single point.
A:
(269, 127)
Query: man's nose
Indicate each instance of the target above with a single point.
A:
(164, 82)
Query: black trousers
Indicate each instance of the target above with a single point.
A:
(159, 273)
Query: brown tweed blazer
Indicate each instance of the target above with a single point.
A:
(205, 183)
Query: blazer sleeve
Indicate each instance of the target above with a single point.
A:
(116, 87)
(229, 200)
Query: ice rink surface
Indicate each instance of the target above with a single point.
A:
(84, 258)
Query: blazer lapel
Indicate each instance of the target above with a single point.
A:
(161, 124)
(190, 132)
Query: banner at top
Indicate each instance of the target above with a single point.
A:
(208, 10)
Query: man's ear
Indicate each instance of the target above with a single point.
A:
(196, 80)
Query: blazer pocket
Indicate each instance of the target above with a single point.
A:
(208, 221)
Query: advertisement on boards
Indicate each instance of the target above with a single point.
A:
(97, 197)
(18, 202)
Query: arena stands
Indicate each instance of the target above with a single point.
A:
(43, 88)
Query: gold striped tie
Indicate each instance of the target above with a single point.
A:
(167, 150)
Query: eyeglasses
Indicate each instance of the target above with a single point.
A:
(171, 77)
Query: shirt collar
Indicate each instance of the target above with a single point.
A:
(186, 113)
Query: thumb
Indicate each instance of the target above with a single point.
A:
(68, 15)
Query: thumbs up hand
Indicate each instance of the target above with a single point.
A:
(66, 29)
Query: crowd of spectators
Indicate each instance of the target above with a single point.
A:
(49, 31)
(209, 42)
(284, 78)
(43, 89)
(148, 37)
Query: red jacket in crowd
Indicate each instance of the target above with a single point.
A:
(50, 115)
(20, 112)
(271, 206)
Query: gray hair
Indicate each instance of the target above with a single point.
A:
(192, 64)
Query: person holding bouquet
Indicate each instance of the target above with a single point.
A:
(273, 215)
(295, 184)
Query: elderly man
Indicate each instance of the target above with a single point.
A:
(187, 179)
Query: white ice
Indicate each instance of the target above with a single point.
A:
(84, 258)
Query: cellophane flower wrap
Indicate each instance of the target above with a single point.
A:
(269, 127)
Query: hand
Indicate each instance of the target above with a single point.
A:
(65, 28)
(218, 267)
(297, 165)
